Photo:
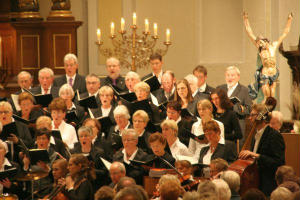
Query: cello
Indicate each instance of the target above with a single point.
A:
(247, 168)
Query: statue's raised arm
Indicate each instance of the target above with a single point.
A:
(249, 29)
(286, 30)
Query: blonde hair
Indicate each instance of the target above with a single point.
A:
(67, 89)
(107, 89)
(142, 86)
(41, 120)
(142, 114)
(171, 124)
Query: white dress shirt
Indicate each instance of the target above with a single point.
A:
(177, 148)
(257, 138)
(105, 111)
(159, 76)
(126, 159)
(73, 79)
(68, 133)
(48, 91)
(202, 87)
(230, 90)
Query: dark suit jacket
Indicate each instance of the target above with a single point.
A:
(242, 93)
(120, 81)
(81, 116)
(272, 155)
(147, 76)
(184, 126)
(86, 94)
(204, 95)
(226, 152)
(143, 142)
(94, 154)
(161, 97)
(158, 163)
(79, 83)
(38, 90)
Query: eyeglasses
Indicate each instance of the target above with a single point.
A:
(138, 121)
(128, 140)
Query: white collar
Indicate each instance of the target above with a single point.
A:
(194, 94)
(202, 87)
(73, 77)
(127, 160)
(118, 129)
(233, 87)
(43, 91)
(6, 163)
(141, 135)
(178, 120)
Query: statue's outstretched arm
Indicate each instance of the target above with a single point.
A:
(248, 29)
(286, 29)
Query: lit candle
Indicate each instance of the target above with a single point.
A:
(155, 29)
(168, 35)
(122, 24)
(146, 25)
(134, 19)
(112, 28)
(98, 35)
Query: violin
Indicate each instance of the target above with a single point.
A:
(57, 194)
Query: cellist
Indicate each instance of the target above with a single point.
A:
(268, 148)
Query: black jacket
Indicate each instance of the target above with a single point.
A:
(120, 81)
(78, 84)
(38, 90)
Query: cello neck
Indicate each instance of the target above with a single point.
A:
(247, 144)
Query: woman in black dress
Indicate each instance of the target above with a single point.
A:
(225, 114)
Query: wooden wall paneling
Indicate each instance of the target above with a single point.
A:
(292, 151)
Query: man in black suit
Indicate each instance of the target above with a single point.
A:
(268, 148)
(92, 82)
(71, 77)
(235, 89)
(204, 90)
(166, 93)
(114, 78)
(46, 77)
(156, 66)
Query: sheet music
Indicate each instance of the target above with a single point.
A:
(15, 99)
(106, 163)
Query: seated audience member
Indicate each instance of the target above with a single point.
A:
(291, 186)
(169, 132)
(124, 182)
(24, 79)
(105, 193)
(165, 180)
(28, 110)
(23, 133)
(185, 168)
(156, 66)
(117, 170)
(114, 78)
(170, 191)
(254, 194)
(235, 89)
(191, 196)
(223, 189)
(281, 193)
(79, 182)
(46, 86)
(121, 116)
(167, 92)
(44, 122)
(134, 192)
(58, 109)
(205, 90)
(183, 95)
(217, 166)
(268, 149)
(276, 120)
(226, 115)
(66, 93)
(158, 143)
(7, 185)
(42, 142)
(215, 149)
(184, 125)
(207, 186)
(233, 180)
(205, 110)
(71, 77)
(131, 152)
(107, 105)
(85, 145)
(140, 120)
(284, 173)
(142, 92)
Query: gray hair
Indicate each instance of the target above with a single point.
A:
(3, 145)
(223, 189)
(85, 129)
(191, 79)
(191, 196)
(233, 68)
(168, 177)
(119, 165)
(113, 59)
(142, 86)
(6, 105)
(24, 73)
(232, 179)
(281, 193)
(121, 110)
(92, 76)
(130, 132)
(107, 89)
(133, 75)
(207, 186)
(66, 88)
(70, 56)
(46, 70)
(278, 115)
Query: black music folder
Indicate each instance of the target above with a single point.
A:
(8, 173)
(56, 134)
(88, 102)
(41, 99)
(25, 121)
(37, 155)
(8, 129)
(153, 83)
(128, 96)
(235, 100)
